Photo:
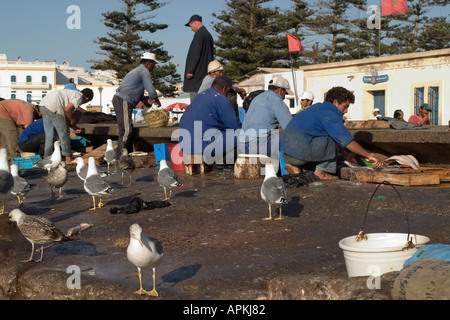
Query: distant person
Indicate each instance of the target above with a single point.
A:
(128, 96)
(306, 100)
(423, 116)
(376, 114)
(200, 54)
(398, 114)
(205, 122)
(15, 116)
(313, 137)
(57, 109)
(142, 107)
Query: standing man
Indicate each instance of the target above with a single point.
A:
(200, 54)
(128, 96)
(422, 117)
(15, 116)
(57, 109)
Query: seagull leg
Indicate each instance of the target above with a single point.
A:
(108, 169)
(93, 199)
(42, 254)
(22, 201)
(122, 178)
(270, 213)
(280, 217)
(153, 293)
(100, 204)
(60, 194)
(140, 291)
(3, 208)
(31, 256)
(165, 194)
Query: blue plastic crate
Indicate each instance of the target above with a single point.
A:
(26, 162)
(161, 152)
(78, 142)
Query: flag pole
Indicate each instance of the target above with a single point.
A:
(379, 32)
(293, 80)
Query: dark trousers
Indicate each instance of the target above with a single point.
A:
(35, 144)
(125, 124)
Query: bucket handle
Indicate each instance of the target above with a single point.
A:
(363, 236)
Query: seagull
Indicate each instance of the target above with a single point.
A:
(37, 230)
(110, 154)
(52, 161)
(126, 164)
(94, 184)
(57, 178)
(167, 178)
(21, 186)
(273, 190)
(6, 178)
(82, 169)
(144, 253)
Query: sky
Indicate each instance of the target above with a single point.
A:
(50, 30)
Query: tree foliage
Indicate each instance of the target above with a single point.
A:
(123, 44)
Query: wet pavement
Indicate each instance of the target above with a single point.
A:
(216, 244)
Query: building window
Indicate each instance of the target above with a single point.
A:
(433, 101)
(378, 101)
(13, 79)
(29, 98)
(418, 98)
(29, 79)
(13, 96)
(44, 79)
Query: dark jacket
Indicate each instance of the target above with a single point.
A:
(200, 54)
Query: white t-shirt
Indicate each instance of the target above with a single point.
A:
(57, 100)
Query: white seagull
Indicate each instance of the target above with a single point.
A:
(95, 185)
(37, 230)
(21, 186)
(82, 169)
(273, 190)
(52, 161)
(6, 178)
(144, 253)
(110, 154)
(167, 178)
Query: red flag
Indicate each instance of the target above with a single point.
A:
(294, 43)
(391, 7)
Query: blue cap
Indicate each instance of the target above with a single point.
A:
(71, 86)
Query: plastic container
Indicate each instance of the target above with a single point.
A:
(26, 162)
(161, 152)
(380, 253)
(375, 254)
(176, 157)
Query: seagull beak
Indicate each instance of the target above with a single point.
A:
(140, 241)
(73, 162)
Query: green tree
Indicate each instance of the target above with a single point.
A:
(252, 34)
(123, 44)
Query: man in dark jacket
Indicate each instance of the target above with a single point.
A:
(200, 54)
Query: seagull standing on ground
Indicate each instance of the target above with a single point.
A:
(57, 178)
(6, 178)
(82, 169)
(21, 186)
(167, 178)
(144, 253)
(51, 162)
(95, 185)
(110, 154)
(126, 164)
(37, 230)
(273, 190)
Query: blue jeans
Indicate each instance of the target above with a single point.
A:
(52, 122)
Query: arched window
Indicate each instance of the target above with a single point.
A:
(13, 79)
(44, 79)
(13, 96)
(28, 78)
(29, 98)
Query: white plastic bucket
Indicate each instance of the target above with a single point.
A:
(379, 254)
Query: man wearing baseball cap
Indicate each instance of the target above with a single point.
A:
(200, 54)
(128, 96)
(266, 113)
(306, 100)
(423, 116)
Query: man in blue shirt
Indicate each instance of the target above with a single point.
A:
(267, 111)
(209, 126)
(127, 96)
(314, 136)
(32, 138)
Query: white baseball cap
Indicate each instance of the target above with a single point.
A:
(308, 95)
(149, 56)
(214, 66)
(283, 83)
(376, 110)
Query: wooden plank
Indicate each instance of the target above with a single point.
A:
(367, 125)
(402, 178)
(444, 174)
(97, 153)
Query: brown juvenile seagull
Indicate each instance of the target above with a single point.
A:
(37, 230)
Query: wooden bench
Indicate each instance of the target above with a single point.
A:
(191, 161)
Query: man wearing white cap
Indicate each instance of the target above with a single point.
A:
(376, 114)
(306, 100)
(128, 95)
(215, 69)
(265, 114)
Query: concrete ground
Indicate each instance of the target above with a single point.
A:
(216, 244)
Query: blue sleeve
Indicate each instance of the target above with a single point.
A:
(282, 114)
(334, 126)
